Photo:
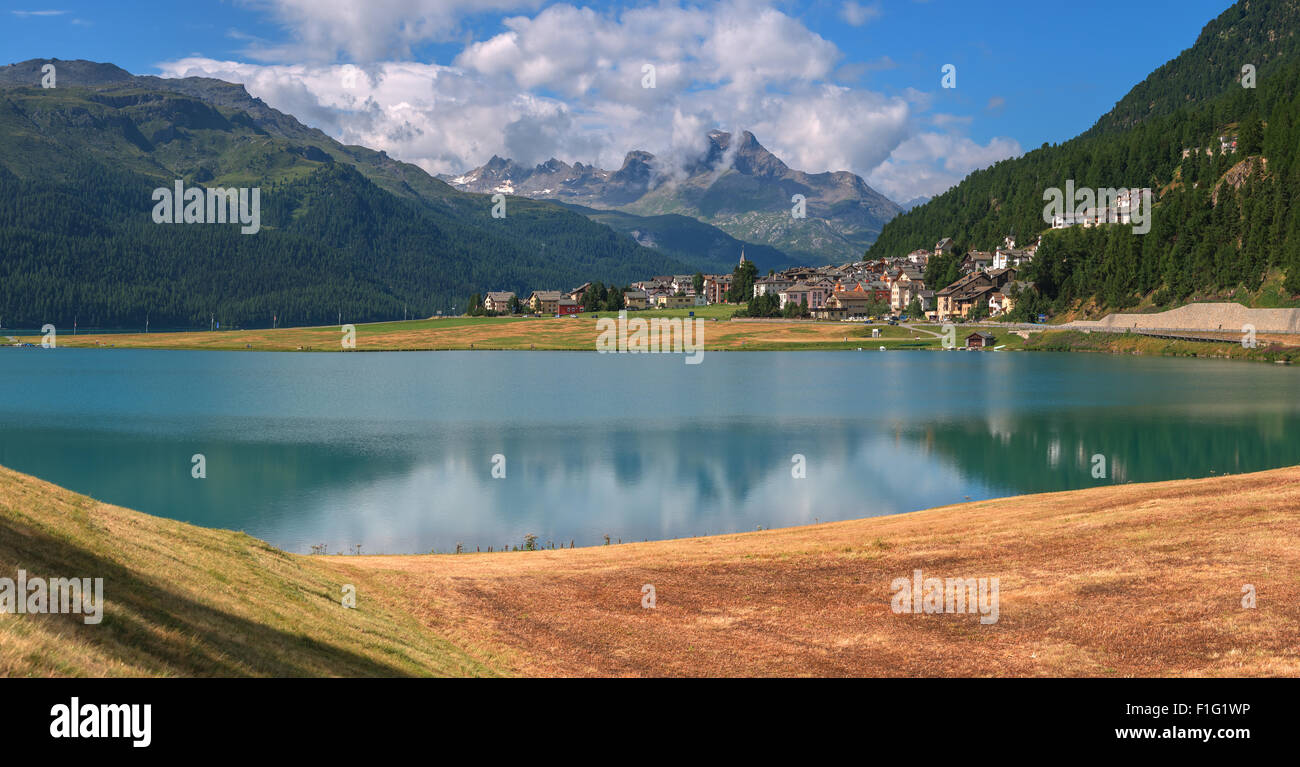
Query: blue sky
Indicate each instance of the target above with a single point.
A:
(826, 84)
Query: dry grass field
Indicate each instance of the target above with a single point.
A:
(580, 334)
(189, 601)
(572, 333)
(1115, 581)
(1126, 580)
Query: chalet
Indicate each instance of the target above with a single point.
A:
(635, 299)
(544, 301)
(979, 340)
(577, 293)
(655, 291)
(1001, 277)
(943, 246)
(675, 301)
(854, 303)
(1004, 258)
(977, 261)
(567, 306)
(957, 299)
(498, 301)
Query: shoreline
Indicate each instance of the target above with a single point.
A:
(554, 334)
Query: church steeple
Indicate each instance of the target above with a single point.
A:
(742, 254)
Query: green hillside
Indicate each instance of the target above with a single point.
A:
(1224, 226)
(344, 230)
(706, 248)
(186, 601)
(1260, 33)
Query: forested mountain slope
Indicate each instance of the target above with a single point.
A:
(344, 230)
(1225, 224)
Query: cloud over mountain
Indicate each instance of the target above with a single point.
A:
(569, 82)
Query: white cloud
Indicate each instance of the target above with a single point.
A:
(567, 82)
(931, 163)
(428, 114)
(374, 29)
(577, 51)
(857, 14)
(832, 128)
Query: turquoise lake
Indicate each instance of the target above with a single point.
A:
(394, 451)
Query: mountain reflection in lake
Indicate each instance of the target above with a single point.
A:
(395, 451)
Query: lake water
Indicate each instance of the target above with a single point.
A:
(394, 451)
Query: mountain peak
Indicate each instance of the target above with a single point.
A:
(746, 154)
(637, 157)
(752, 158)
(553, 165)
(735, 183)
(77, 72)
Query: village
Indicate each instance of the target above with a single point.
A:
(865, 290)
(855, 291)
